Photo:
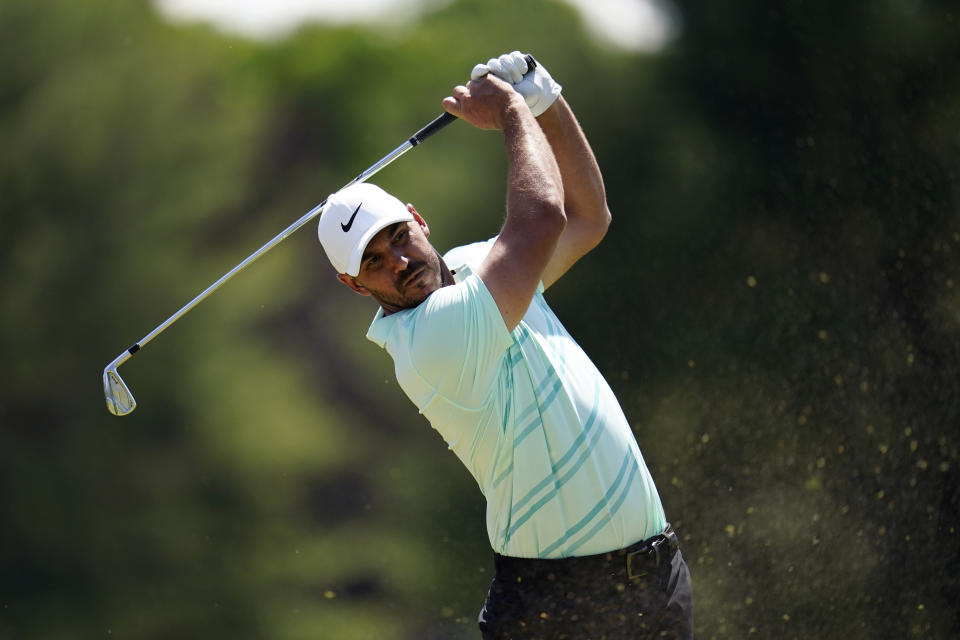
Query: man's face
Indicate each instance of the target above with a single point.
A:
(399, 267)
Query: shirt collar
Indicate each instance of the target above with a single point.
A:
(380, 328)
(460, 272)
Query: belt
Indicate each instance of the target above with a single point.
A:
(636, 561)
(650, 552)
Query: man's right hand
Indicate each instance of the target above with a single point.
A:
(484, 103)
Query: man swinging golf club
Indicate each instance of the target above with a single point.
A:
(582, 546)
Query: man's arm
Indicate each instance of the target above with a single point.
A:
(585, 201)
(535, 200)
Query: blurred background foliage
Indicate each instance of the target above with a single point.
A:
(777, 305)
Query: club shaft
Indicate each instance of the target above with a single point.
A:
(421, 135)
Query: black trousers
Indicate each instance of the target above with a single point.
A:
(640, 592)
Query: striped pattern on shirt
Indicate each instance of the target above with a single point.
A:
(528, 414)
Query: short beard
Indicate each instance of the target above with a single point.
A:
(397, 300)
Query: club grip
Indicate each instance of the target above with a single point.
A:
(445, 118)
(438, 123)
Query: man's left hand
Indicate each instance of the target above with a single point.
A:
(537, 87)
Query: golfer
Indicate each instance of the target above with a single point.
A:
(582, 548)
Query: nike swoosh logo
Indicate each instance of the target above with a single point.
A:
(346, 227)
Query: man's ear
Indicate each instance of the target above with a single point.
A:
(351, 282)
(420, 220)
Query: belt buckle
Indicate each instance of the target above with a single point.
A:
(651, 550)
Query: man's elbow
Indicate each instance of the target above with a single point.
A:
(558, 209)
(560, 220)
(552, 216)
(595, 232)
(605, 219)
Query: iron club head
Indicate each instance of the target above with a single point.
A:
(120, 401)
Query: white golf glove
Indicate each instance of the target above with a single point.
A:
(538, 89)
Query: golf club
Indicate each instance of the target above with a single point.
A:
(120, 400)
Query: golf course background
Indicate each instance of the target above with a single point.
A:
(777, 305)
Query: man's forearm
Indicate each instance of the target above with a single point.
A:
(567, 167)
(535, 218)
(535, 178)
(584, 194)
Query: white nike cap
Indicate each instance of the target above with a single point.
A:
(351, 217)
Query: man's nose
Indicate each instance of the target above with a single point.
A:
(398, 261)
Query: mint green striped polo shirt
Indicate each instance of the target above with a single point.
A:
(529, 415)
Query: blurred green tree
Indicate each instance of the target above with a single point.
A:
(776, 304)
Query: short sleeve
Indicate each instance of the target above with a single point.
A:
(458, 342)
